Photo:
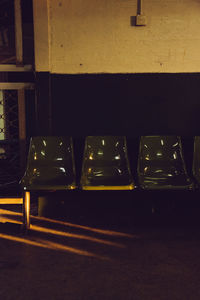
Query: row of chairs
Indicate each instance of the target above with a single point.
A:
(106, 166)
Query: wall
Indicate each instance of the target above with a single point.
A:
(125, 104)
(41, 35)
(74, 37)
(95, 36)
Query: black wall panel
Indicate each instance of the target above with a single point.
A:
(130, 105)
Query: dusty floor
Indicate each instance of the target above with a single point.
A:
(88, 257)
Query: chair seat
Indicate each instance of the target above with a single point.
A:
(50, 187)
(45, 178)
(161, 164)
(108, 187)
(105, 164)
(180, 182)
(113, 176)
(50, 164)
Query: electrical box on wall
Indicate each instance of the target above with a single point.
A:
(141, 20)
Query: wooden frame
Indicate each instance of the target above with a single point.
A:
(16, 85)
(14, 68)
(18, 33)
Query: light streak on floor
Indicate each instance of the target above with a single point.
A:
(50, 245)
(95, 230)
(76, 236)
(10, 217)
(64, 234)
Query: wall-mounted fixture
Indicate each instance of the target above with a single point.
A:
(140, 19)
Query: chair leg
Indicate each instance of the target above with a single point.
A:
(26, 211)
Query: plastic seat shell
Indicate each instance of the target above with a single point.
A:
(161, 164)
(105, 164)
(50, 164)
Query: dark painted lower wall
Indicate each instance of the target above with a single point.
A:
(130, 105)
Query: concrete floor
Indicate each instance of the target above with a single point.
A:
(98, 256)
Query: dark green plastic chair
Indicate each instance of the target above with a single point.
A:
(161, 164)
(105, 164)
(196, 160)
(50, 166)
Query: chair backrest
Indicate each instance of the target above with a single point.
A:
(196, 159)
(106, 164)
(161, 157)
(50, 162)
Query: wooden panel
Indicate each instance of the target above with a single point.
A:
(22, 126)
(14, 68)
(18, 33)
(16, 85)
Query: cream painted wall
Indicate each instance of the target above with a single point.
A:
(95, 36)
(41, 13)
